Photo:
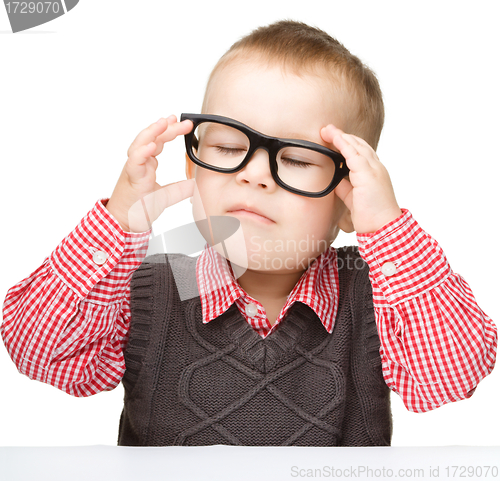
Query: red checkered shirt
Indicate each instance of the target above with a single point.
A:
(67, 323)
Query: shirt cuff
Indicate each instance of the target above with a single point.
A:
(94, 248)
(404, 260)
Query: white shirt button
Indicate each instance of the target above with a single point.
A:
(100, 257)
(389, 269)
(251, 310)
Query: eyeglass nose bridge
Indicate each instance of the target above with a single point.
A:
(269, 144)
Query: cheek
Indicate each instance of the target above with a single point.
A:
(204, 199)
(318, 213)
(318, 217)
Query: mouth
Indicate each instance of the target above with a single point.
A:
(250, 213)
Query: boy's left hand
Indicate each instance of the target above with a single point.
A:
(368, 193)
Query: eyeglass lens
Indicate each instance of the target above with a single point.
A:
(225, 147)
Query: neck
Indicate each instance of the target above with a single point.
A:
(265, 286)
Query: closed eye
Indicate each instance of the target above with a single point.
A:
(229, 150)
(295, 163)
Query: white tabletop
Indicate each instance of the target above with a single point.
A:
(246, 463)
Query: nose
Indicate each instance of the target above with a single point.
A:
(257, 172)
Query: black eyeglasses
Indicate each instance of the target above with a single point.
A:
(225, 145)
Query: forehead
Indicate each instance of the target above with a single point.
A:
(273, 101)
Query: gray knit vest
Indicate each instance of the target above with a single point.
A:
(194, 384)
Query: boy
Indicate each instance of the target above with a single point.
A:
(283, 344)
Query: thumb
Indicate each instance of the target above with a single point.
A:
(145, 211)
(344, 193)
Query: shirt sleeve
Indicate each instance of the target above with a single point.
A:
(67, 323)
(436, 343)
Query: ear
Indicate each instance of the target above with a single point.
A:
(345, 222)
(190, 168)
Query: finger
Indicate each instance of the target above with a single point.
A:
(173, 131)
(149, 134)
(344, 193)
(146, 210)
(143, 157)
(176, 192)
(329, 132)
(363, 147)
(140, 155)
(354, 159)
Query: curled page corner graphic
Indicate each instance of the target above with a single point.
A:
(26, 15)
(70, 4)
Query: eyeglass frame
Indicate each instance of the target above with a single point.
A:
(270, 144)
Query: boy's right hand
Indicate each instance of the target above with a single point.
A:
(138, 200)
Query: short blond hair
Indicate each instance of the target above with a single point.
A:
(303, 49)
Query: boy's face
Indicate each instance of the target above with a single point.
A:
(292, 230)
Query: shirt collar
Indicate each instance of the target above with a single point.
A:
(317, 287)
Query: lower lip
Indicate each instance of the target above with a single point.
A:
(251, 215)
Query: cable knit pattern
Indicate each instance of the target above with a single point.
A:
(189, 383)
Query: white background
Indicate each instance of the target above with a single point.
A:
(76, 91)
